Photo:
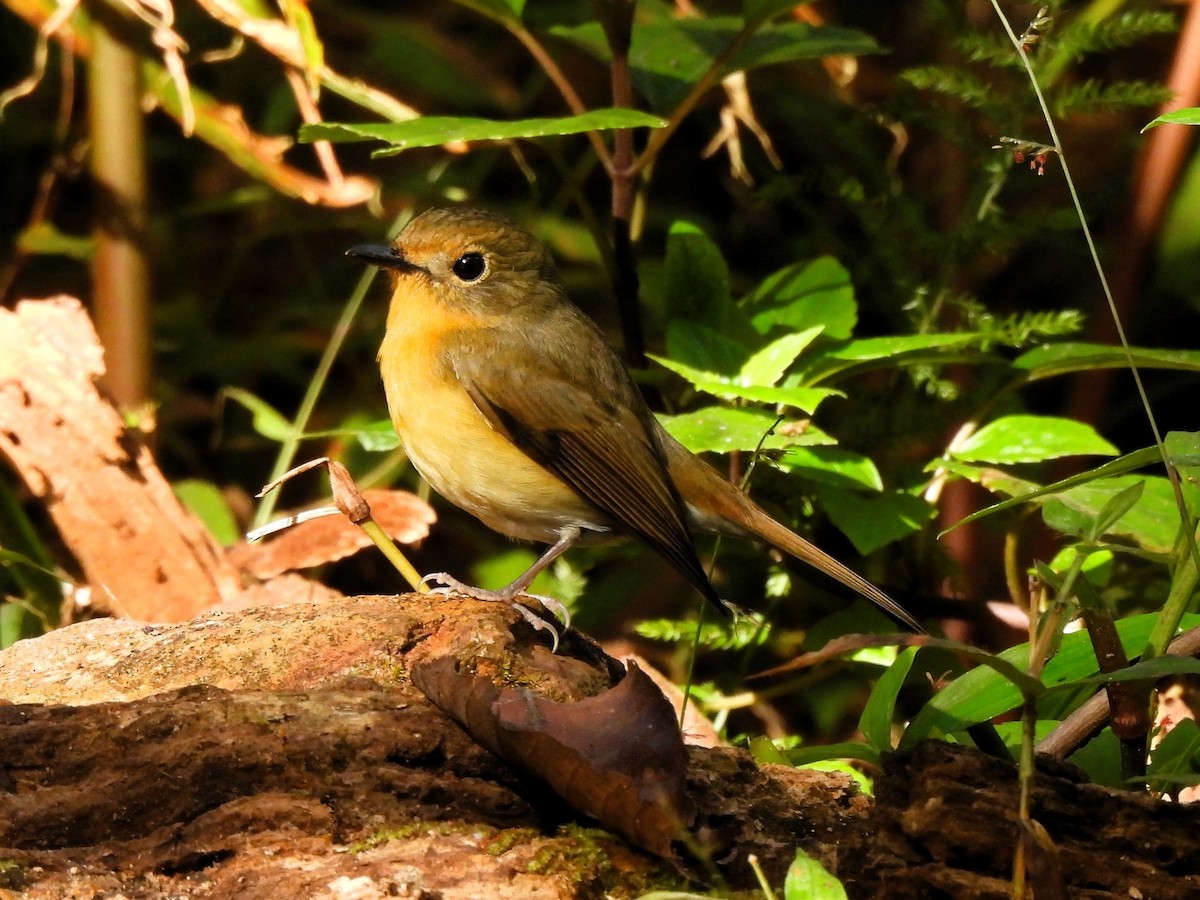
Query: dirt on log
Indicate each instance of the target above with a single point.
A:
(285, 751)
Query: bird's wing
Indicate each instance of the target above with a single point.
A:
(602, 447)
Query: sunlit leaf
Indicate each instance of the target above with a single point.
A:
(807, 879)
(1061, 359)
(432, 131)
(267, 420)
(1189, 116)
(805, 295)
(834, 466)
(207, 503)
(766, 366)
(872, 521)
(1018, 439)
(723, 430)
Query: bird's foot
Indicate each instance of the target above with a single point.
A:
(451, 585)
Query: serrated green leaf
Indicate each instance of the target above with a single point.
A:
(207, 503)
(834, 466)
(805, 295)
(432, 131)
(1019, 439)
(807, 879)
(875, 520)
(1062, 359)
(1190, 116)
(766, 366)
(719, 429)
(875, 723)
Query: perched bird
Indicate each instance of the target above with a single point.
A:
(512, 405)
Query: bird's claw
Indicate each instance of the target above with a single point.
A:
(448, 584)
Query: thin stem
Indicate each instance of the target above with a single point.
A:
(288, 448)
(1172, 474)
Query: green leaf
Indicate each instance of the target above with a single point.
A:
(807, 879)
(1176, 759)
(702, 350)
(833, 466)
(697, 287)
(1062, 359)
(378, 437)
(1190, 116)
(45, 239)
(668, 56)
(1018, 439)
(207, 503)
(432, 131)
(876, 520)
(722, 430)
(1025, 491)
(769, 364)
(888, 352)
(1152, 521)
(805, 295)
(729, 388)
(1116, 507)
(267, 420)
(875, 723)
(982, 694)
(806, 756)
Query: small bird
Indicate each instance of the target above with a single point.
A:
(511, 404)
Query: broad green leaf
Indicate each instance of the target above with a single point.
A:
(1116, 507)
(1153, 521)
(702, 351)
(1178, 247)
(267, 420)
(697, 278)
(1190, 116)
(875, 520)
(982, 694)
(207, 503)
(1176, 759)
(729, 388)
(668, 56)
(888, 352)
(1026, 491)
(766, 366)
(1061, 359)
(432, 131)
(805, 295)
(1018, 439)
(1183, 449)
(834, 466)
(807, 879)
(377, 437)
(720, 429)
(875, 723)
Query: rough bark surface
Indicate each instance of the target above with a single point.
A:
(283, 751)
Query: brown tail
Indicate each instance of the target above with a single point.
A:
(716, 505)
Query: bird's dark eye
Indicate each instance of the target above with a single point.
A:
(469, 266)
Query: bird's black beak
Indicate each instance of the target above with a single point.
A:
(386, 257)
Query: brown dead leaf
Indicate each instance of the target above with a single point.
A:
(405, 517)
(617, 756)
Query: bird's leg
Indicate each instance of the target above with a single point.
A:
(567, 536)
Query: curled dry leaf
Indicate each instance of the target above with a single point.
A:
(405, 517)
(617, 756)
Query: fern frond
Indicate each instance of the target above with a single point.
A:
(1080, 38)
(1093, 96)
